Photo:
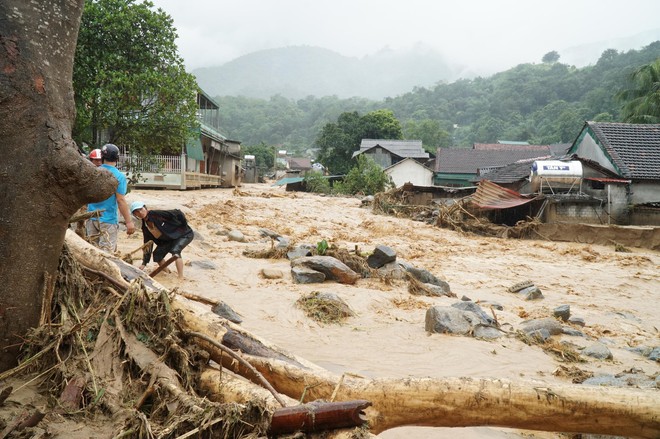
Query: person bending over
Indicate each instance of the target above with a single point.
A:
(168, 229)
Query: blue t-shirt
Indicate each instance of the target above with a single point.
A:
(109, 215)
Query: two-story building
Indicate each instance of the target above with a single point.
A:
(207, 158)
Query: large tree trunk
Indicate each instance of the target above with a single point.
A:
(448, 402)
(43, 178)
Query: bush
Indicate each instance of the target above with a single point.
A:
(367, 178)
(317, 183)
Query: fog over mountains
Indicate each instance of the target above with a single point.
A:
(299, 71)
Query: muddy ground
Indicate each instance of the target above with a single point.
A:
(614, 292)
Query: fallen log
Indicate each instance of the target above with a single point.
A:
(447, 402)
(238, 358)
(225, 386)
(465, 402)
(318, 416)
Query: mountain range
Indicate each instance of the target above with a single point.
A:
(296, 72)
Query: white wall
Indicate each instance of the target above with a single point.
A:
(409, 171)
(589, 149)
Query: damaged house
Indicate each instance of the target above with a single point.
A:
(566, 190)
(632, 153)
(610, 175)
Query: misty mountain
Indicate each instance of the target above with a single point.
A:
(300, 71)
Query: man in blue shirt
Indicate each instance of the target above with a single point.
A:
(102, 229)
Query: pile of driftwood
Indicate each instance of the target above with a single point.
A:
(460, 217)
(457, 215)
(166, 366)
(397, 202)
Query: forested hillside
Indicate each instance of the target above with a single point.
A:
(538, 103)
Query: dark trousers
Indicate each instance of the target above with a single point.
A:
(174, 246)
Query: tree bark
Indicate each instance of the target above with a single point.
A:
(43, 178)
(446, 402)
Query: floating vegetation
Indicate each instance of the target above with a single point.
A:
(324, 307)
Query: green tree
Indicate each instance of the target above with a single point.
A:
(642, 101)
(550, 57)
(568, 124)
(317, 183)
(367, 177)
(130, 84)
(430, 132)
(338, 141)
(489, 129)
(264, 155)
(381, 124)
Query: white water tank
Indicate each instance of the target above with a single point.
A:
(555, 174)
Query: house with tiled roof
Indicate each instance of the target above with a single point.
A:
(389, 152)
(632, 152)
(584, 193)
(460, 167)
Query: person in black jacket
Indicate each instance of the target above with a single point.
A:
(168, 229)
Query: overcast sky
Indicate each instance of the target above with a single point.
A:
(497, 33)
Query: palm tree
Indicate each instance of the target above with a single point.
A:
(642, 103)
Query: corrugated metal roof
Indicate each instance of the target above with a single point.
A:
(211, 132)
(194, 149)
(491, 196)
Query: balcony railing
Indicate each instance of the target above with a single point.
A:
(170, 164)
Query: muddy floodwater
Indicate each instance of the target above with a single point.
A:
(615, 293)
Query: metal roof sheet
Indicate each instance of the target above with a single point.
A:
(288, 180)
(492, 196)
